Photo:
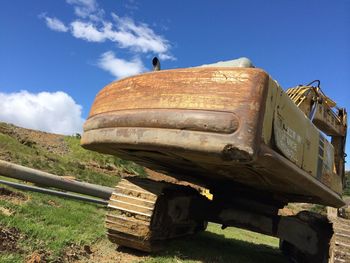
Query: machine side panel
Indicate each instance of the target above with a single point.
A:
(270, 106)
(298, 139)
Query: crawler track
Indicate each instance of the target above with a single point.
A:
(129, 218)
(144, 212)
(340, 242)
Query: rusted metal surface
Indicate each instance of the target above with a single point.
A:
(240, 92)
(229, 96)
(136, 119)
(217, 89)
(193, 120)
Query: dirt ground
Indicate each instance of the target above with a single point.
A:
(9, 238)
(106, 252)
(10, 196)
(102, 251)
(49, 141)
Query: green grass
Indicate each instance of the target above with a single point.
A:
(79, 153)
(71, 164)
(216, 245)
(11, 258)
(51, 224)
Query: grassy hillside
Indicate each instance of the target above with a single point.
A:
(61, 155)
(43, 226)
(40, 228)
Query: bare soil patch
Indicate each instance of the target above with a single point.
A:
(8, 239)
(109, 169)
(5, 211)
(53, 203)
(74, 252)
(12, 196)
(39, 256)
(52, 142)
(106, 252)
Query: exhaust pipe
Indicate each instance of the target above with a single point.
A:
(156, 64)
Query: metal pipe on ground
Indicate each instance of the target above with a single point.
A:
(19, 172)
(54, 192)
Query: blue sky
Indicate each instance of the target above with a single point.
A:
(61, 53)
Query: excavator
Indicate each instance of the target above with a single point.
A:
(230, 128)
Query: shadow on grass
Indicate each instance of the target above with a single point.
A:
(208, 247)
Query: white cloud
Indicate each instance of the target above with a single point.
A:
(85, 8)
(118, 67)
(91, 24)
(87, 31)
(140, 37)
(55, 24)
(166, 57)
(126, 34)
(54, 112)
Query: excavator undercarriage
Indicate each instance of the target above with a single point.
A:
(144, 214)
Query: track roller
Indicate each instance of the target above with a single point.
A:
(142, 213)
(331, 243)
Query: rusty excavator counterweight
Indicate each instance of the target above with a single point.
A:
(230, 128)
